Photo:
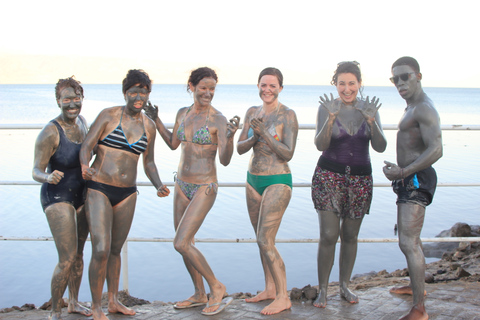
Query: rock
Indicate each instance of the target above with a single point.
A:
(309, 292)
(441, 271)
(458, 255)
(460, 229)
(454, 266)
(295, 294)
(464, 246)
(461, 273)
(27, 306)
(429, 277)
(447, 256)
(382, 273)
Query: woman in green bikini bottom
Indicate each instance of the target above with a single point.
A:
(271, 131)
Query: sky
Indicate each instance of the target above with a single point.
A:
(99, 41)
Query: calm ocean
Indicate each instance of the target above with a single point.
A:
(156, 270)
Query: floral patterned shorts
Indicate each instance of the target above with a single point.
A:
(348, 196)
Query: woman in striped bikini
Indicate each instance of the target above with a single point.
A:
(201, 130)
(121, 134)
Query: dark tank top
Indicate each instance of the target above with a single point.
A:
(65, 159)
(349, 150)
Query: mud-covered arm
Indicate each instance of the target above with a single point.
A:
(149, 162)
(326, 115)
(45, 146)
(168, 136)
(245, 143)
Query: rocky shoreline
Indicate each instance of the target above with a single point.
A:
(458, 262)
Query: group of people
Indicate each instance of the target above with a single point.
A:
(100, 198)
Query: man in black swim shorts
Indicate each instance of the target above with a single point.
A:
(419, 145)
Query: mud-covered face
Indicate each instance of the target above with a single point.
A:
(269, 88)
(70, 103)
(204, 91)
(136, 98)
(406, 80)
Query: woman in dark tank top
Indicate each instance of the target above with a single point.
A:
(342, 182)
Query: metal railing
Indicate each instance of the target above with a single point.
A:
(242, 184)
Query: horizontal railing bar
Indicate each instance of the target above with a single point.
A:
(242, 184)
(20, 126)
(251, 240)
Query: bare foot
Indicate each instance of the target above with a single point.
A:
(264, 295)
(404, 290)
(277, 306)
(117, 307)
(55, 316)
(321, 301)
(416, 313)
(216, 297)
(348, 295)
(98, 314)
(76, 307)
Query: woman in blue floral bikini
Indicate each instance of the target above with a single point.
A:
(342, 181)
(201, 130)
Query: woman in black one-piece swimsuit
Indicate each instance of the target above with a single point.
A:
(57, 167)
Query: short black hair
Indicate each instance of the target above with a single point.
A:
(407, 61)
(135, 76)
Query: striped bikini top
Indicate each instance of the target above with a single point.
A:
(202, 136)
(117, 139)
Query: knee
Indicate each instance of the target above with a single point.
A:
(328, 238)
(66, 264)
(407, 244)
(349, 238)
(264, 244)
(101, 254)
(181, 245)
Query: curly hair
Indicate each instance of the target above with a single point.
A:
(347, 67)
(272, 72)
(198, 74)
(136, 76)
(407, 61)
(68, 82)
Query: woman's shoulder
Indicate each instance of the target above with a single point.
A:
(287, 111)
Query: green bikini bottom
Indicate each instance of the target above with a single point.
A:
(260, 183)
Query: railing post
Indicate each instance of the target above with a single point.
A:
(125, 266)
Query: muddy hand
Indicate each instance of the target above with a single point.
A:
(332, 105)
(151, 111)
(232, 126)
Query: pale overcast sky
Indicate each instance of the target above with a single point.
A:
(98, 41)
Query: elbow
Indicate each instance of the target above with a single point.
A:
(225, 162)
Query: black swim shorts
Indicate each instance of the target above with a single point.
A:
(417, 188)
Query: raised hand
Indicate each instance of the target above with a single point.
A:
(232, 126)
(370, 108)
(151, 111)
(332, 105)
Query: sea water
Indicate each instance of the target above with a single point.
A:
(156, 271)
